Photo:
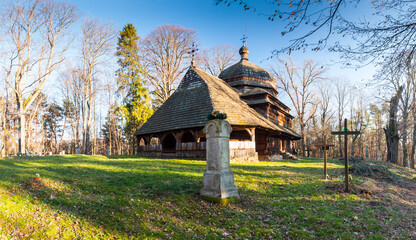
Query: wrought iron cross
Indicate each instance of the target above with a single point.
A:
(192, 51)
(245, 34)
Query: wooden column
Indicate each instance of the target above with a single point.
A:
(347, 187)
(325, 158)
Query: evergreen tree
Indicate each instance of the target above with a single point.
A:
(111, 132)
(52, 126)
(136, 107)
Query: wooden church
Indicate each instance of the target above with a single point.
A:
(245, 92)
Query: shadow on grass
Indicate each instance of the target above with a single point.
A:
(150, 198)
(112, 198)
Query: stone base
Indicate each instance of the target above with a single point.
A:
(221, 201)
(219, 187)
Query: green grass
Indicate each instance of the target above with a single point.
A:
(90, 197)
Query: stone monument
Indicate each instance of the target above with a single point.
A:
(218, 179)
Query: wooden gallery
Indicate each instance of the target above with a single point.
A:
(245, 92)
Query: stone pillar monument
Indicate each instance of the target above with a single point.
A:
(218, 179)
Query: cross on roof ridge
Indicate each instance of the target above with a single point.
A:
(192, 51)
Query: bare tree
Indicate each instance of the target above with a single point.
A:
(33, 31)
(377, 119)
(398, 80)
(325, 96)
(359, 119)
(216, 59)
(407, 107)
(341, 98)
(164, 51)
(405, 99)
(391, 130)
(72, 89)
(326, 114)
(389, 33)
(98, 40)
(110, 89)
(413, 110)
(297, 83)
(3, 119)
(35, 119)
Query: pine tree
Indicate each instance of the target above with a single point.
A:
(136, 107)
(52, 126)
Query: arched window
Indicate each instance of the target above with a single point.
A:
(142, 142)
(241, 135)
(154, 141)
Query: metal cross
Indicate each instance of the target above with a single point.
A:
(244, 40)
(192, 52)
(245, 33)
(346, 132)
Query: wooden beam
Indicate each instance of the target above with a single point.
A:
(325, 172)
(346, 133)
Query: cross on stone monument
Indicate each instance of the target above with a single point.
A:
(346, 132)
(218, 179)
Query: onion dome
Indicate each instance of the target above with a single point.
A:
(243, 52)
(246, 71)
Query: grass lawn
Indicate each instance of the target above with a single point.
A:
(90, 197)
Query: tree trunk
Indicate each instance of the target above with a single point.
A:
(303, 140)
(87, 121)
(77, 132)
(63, 133)
(413, 151)
(112, 151)
(55, 138)
(22, 128)
(379, 136)
(391, 130)
(404, 139)
(340, 138)
(4, 132)
(86, 130)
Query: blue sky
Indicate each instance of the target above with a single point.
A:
(216, 25)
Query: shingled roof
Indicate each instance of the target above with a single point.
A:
(253, 83)
(245, 68)
(198, 94)
(259, 91)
